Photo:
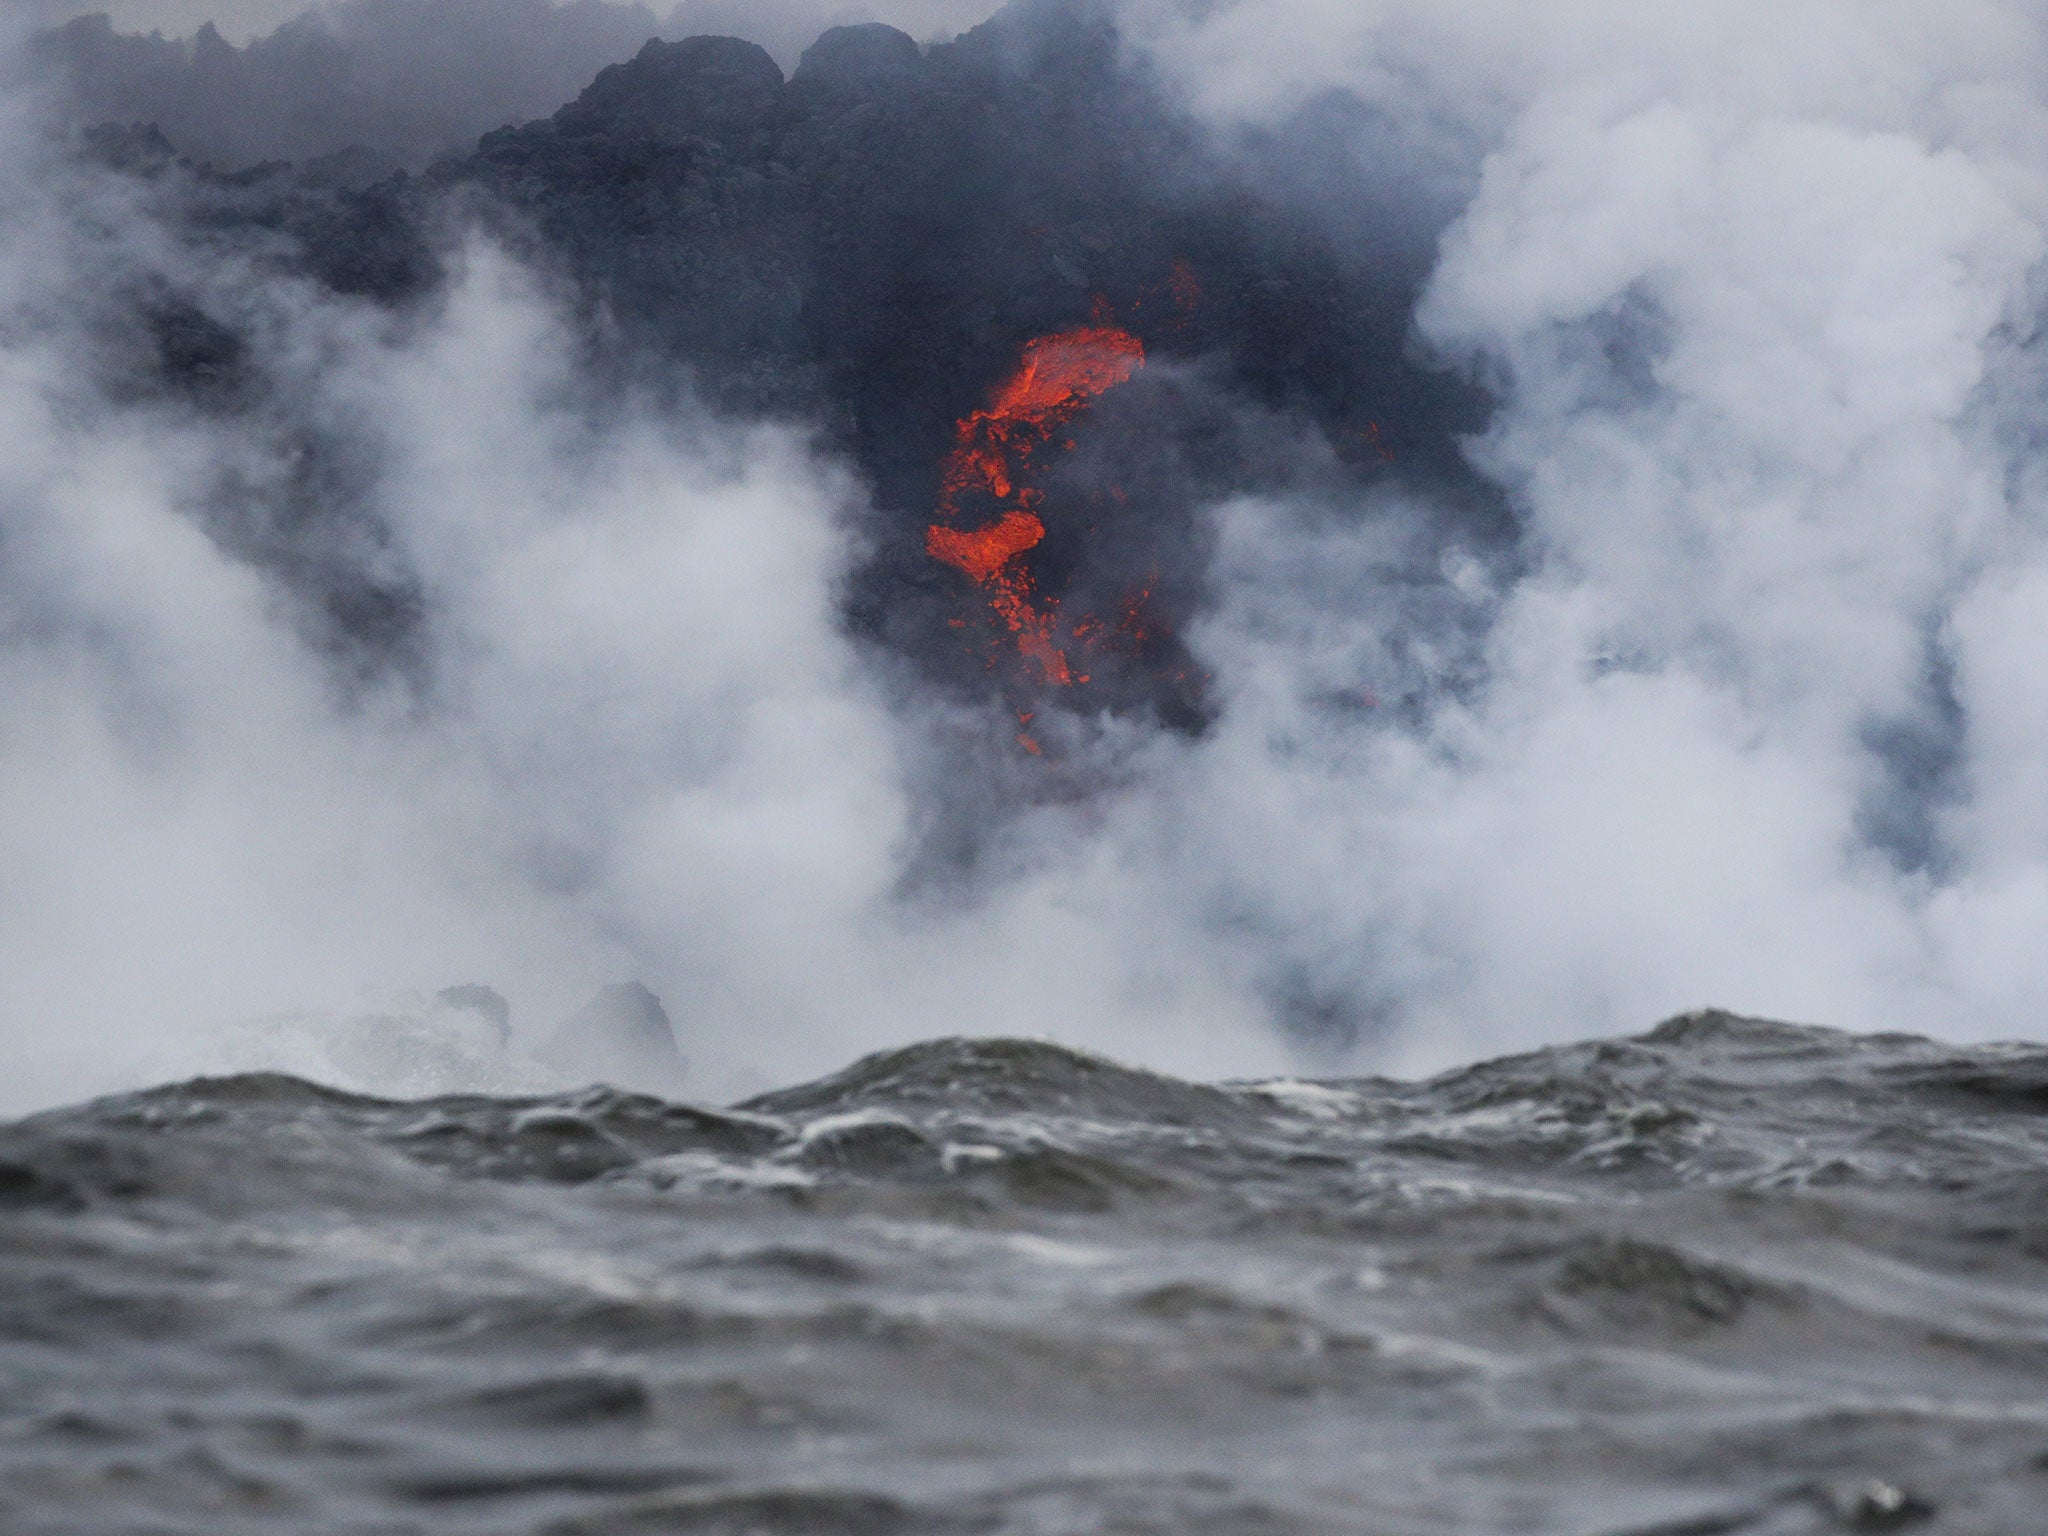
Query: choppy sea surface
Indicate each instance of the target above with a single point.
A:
(1725, 1277)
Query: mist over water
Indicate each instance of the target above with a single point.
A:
(423, 640)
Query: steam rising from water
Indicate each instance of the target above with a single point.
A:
(1752, 713)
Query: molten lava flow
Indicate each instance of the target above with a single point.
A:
(983, 553)
(1058, 377)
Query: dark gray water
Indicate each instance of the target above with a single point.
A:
(1726, 1277)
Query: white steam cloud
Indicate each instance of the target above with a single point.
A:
(1756, 285)
(1762, 719)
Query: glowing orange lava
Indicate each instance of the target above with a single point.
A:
(983, 553)
(1058, 377)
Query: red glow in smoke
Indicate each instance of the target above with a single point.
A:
(1058, 377)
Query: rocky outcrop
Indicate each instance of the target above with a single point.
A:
(720, 88)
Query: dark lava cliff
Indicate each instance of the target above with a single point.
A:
(867, 246)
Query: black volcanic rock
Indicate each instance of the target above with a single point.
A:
(660, 189)
(714, 87)
(865, 59)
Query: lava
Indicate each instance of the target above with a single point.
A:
(1057, 379)
(983, 553)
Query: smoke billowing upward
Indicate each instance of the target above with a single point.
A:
(1373, 532)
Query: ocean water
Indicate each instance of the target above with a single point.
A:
(1726, 1277)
